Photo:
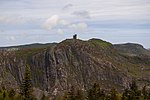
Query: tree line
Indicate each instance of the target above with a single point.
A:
(94, 93)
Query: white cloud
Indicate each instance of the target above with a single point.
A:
(78, 26)
(16, 19)
(11, 38)
(99, 11)
(54, 21)
(8, 20)
(60, 31)
(64, 22)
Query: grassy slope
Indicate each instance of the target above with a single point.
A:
(136, 66)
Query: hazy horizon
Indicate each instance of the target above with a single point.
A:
(35, 21)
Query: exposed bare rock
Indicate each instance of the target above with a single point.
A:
(72, 62)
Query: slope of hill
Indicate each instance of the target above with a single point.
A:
(132, 49)
(55, 67)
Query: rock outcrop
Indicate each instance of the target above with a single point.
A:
(56, 67)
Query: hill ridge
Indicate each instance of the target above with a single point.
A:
(74, 62)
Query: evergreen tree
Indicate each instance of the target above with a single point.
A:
(114, 94)
(144, 92)
(102, 95)
(4, 94)
(148, 97)
(12, 94)
(72, 93)
(79, 95)
(94, 92)
(134, 92)
(26, 86)
(125, 94)
(44, 97)
(133, 86)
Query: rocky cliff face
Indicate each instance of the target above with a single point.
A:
(56, 67)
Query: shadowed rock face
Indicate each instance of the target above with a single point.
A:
(71, 62)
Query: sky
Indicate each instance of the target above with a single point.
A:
(47, 21)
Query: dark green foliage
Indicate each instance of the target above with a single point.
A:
(73, 94)
(108, 97)
(148, 95)
(133, 86)
(3, 88)
(95, 93)
(44, 97)
(79, 95)
(145, 93)
(25, 90)
(114, 94)
(4, 94)
(132, 93)
(26, 86)
(135, 93)
(11, 93)
(125, 94)
(7, 95)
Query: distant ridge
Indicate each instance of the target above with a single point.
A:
(27, 46)
(132, 49)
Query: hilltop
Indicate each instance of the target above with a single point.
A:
(57, 66)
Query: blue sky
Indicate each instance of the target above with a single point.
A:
(42, 21)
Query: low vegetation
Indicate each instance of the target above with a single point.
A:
(94, 93)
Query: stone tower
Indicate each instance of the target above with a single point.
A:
(75, 36)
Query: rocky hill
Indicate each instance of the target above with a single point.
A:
(132, 49)
(57, 66)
